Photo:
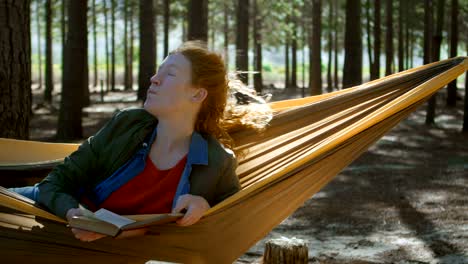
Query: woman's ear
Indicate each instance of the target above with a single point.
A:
(199, 95)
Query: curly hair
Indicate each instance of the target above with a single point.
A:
(214, 117)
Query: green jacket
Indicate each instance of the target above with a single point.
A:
(102, 154)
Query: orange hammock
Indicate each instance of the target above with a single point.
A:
(308, 142)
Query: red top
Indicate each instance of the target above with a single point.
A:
(150, 192)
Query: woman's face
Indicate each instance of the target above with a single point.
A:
(171, 90)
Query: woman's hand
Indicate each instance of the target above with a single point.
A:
(83, 235)
(196, 206)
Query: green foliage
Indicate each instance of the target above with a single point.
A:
(266, 67)
(216, 12)
(278, 18)
(272, 13)
(177, 9)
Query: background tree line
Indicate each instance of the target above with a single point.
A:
(309, 46)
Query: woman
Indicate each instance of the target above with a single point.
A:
(171, 156)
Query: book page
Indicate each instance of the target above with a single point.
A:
(86, 212)
(113, 218)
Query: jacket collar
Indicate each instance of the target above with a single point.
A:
(198, 151)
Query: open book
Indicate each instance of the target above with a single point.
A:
(106, 222)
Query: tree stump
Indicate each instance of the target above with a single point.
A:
(286, 251)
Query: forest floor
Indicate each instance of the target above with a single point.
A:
(405, 200)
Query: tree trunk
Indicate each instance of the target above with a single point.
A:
(335, 47)
(64, 37)
(400, 36)
(49, 82)
(166, 26)
(435, 55)
(113, 4)
(407, 34)
(369, 43)
(330, 47)
(352, 72)
(452, 86)
(257, 31)
(412, 40)
(69, 121)
(242, 40)
(63, 26)
(147, 52)
(96, 77)
(375, 68)
(428, 27)
(294, 55)
(304, 44)
(155, 14)
(428, 56)
(198, 20)
(315, 82)
(86, 99)
(15, 69)
(106, 35)
(285, 251)
(39, 49)
(125, 42)
(132, 38)
(389, 39)
(437, 38)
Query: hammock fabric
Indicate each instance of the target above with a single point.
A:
(24, 163)
(308, 142)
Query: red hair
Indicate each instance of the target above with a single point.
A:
(209, 72)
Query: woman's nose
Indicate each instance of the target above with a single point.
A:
(155, 80)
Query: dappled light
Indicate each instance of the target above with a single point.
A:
(342, 124)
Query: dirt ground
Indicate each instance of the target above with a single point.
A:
(403, 201)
